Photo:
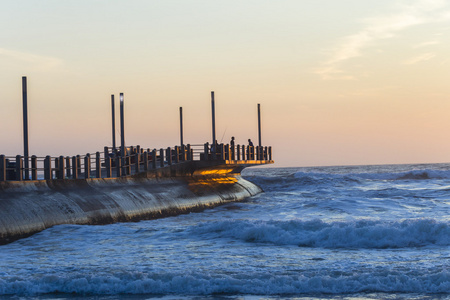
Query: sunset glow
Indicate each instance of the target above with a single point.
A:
(340, 82)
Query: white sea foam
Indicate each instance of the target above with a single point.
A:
(317, 233)
(198, 283)
(337, 230)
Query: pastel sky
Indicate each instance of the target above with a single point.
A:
(340, 82)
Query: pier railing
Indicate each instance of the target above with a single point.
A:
(111, 163)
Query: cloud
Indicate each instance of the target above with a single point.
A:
(426, 44)
(423, 57)
(381, 27)
(35, 62)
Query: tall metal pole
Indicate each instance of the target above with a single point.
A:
(181, 126)
(213, 110)
(259, 125)
(113, 112)
(122, 128)
(25, 126)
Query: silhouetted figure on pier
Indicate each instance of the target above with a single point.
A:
(250, 143)
(232, 142)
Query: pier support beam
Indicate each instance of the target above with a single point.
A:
(25, 126)
(181, 126)
(213, 113)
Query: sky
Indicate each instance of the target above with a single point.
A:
(340, 82)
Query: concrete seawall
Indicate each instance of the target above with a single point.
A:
(28, 207)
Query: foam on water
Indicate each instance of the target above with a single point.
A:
(358, 234)
(315, 231)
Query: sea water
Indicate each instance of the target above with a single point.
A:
(365, 232)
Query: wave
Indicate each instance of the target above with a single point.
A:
(301, 178)
(255, 283)
(316, 233)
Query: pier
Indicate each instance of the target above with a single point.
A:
(122, 183)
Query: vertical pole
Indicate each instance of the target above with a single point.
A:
(113, 112)
(259, 125)
(137, 168)
(68, 166)
(154, 159)
(213, 112)
(122, 128)
(2, 168)
(188, 152)
(206, 152)
(118, 166)
(87, 166)
(181, 126)
(161, 157)
(61, 167)
(238, 152)
(98, 165)
(25, 125)
(145, 160)
(48, 168)
(33, 167)
(74, 167)
(177, 154)
(169, 155)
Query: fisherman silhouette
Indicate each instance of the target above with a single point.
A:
(250, 143)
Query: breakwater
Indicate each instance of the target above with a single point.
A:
(30, 206)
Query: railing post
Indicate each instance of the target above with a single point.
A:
(2, 168)
(161, 157)
(265, 153)
(206, 152)
(232, 152)
(183, 153)
(118, 166)
(48, 168)
(98, 165)
(238, 152)
(188, 152)
(108, 167)
(56, 167)
(33, 167)
(154, 159)
(270, 153)
(87, 166)
(137, 160)
(19, 168)
(169, 156)
(128, 166)
(227, 152)
(74, 167)
(79, 164)
(177, 154)
(61, 168)
(106, 152)
(146, 161)
(68, 166)
(243, 152)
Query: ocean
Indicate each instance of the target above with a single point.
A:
(351, 232)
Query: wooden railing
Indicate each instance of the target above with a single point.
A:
(111, 163)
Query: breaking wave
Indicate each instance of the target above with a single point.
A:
(198, 283)
(316, 233)
(301, 178)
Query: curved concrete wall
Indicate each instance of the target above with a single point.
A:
(31, 206)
